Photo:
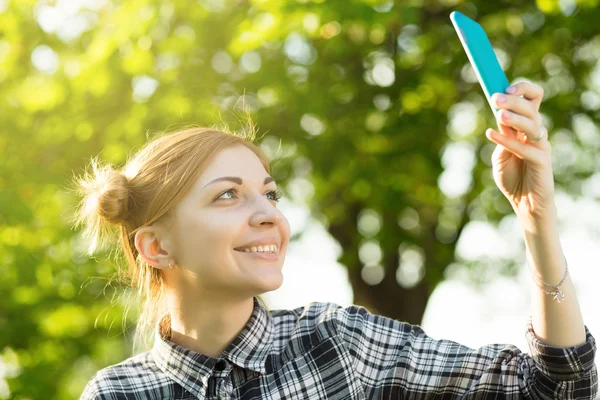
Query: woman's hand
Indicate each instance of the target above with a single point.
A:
(522, 168)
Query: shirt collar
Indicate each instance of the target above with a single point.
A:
(252, 346)
(191, 369)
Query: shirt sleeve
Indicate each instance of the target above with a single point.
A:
(398, 360)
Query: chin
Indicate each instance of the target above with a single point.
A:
(265, 276)
(271, 282)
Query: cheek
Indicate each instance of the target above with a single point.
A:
(284, 228)
(210, 233)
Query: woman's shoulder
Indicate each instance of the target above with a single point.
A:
(128, 376)
(314, 312)
(322, 311)
(327, 314)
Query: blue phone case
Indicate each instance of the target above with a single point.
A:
(481, 55)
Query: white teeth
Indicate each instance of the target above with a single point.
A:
(261, 249)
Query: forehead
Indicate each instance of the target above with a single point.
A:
(237, 161)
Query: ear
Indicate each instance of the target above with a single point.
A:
(149, 247)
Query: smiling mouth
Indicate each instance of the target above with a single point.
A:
(249, 249)
(256, 252)
(265, 256)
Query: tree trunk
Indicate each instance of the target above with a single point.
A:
(388, 298)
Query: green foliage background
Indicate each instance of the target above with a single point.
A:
(361, 95)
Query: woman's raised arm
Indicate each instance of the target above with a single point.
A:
(522, 168)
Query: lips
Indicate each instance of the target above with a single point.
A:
(263, 256)
(243, 250)
(267, 240)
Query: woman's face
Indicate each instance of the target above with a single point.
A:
(212, 221)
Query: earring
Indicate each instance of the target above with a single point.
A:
(170, 266)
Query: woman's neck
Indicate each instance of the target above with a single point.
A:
(207, 327)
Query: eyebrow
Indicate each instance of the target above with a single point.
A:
(237, 180)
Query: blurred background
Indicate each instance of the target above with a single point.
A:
(374, 122)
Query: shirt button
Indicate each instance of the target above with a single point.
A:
(221, 365)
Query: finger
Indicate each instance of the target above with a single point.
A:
(529, 127)
(518, 148)
(509, 131)
(527, 90)
(515, 104)
(500, 153)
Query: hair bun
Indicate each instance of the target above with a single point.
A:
(105, 200)
(105, 194)
(113, 198)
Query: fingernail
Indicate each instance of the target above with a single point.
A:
(511, 89)
(500, 98)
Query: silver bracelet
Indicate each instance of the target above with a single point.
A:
(557, 294)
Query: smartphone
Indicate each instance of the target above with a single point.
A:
(481, 55)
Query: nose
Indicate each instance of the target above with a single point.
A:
(265, 212)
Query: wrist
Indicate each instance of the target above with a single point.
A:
(555, 290)
(539, 222)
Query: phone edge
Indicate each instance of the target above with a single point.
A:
(466, 49)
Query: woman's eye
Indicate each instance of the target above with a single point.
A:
(224, 193)
(275, 194)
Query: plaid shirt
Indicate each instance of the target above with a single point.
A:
(325, 351)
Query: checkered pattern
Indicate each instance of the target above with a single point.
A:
(325, 351)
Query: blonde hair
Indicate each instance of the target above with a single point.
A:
(115, 204)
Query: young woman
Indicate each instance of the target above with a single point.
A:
(203, 237)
